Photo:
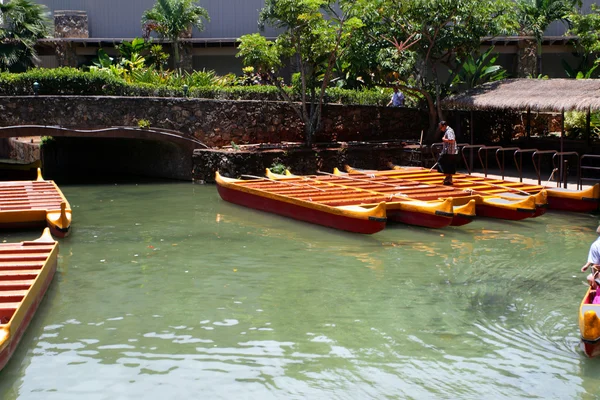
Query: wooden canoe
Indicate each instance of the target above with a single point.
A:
(490, 206)
(26, 270)
(589, 325)
(584, 200)
(434, 213)
(36, 203)
(295, 201)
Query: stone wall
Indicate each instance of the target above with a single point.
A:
(214, 122)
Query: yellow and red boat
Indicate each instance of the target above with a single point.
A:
(490, 206)
(433, 213)
(25, 204)
(584, 200)
(26, 270)
(296, 201)
(589, 325)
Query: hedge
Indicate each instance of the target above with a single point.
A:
(71, 81)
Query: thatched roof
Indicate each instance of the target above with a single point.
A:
(536, 94)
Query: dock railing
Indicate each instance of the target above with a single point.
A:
(484, 150)
(519, 161)
(471, 148)
(560, 161)
(501, 151)
(537, 160)
(583, 167)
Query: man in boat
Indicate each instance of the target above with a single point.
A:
(593, 259)
(446, 164)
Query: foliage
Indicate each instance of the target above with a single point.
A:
(587, 27)
(202, 84)
(315, 33)
(60, 81)
(278, 167)
(46, 140)
(476, 71)
(583, 71)
(576, 123)
(534, 17)
(144, 124)
(421, 35)
(22, 22)
(171, 18)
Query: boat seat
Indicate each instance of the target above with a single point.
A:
(22, 284)
(590, 307)
(7, 310)
(13, 275)
(9, 296)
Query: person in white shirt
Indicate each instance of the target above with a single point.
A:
(593, 259)
(448, 157)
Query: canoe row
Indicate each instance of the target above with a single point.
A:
(36, 203)
(423, 197)
(585, 200)
(344, 217)
(26, 270)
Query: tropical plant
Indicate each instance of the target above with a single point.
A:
(534, 17)
(586, 27)
(22, 23)
(314, 34)
(421, 35)
(583, 71)
(172, 18)
(476, 71)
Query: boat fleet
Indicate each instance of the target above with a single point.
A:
(363, 201)
(27, 268)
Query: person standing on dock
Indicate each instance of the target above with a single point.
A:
(593, 259)
(446, 163)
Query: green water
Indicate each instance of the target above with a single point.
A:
(165, 291)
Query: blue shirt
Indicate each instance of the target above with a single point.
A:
(397, 99)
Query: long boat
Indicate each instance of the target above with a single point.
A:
(26, 204)
(295, 201)
(434, 213)
(486, 205)
(589, 325)
(583, 200)
(26, 270)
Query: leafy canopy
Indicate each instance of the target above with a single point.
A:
(22, 22)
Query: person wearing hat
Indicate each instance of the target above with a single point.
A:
(593, 260)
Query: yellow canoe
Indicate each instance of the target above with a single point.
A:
(584, 200)
(294, 201)
(400, 208)
(589, 325)
(26, 270)
(35, 203)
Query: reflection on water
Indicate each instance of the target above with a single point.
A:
(164, 290)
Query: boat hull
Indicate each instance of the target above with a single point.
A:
(572, 204)
(367, 226)
(435, 221)
(12, 332)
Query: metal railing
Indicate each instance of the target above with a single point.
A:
(470, 147)
(519, 162)
(563, 166)
(485, 150)
(501, 150)
(537, 166)
(583, 167)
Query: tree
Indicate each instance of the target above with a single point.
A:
(423, 35)
(534, 17)
(22, 23)
(172, 18)
(587, 27)
(314, 33)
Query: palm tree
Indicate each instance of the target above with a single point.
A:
(22, 23)
(172, 18)
(534, 17)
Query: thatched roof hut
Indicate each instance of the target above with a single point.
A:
(531, 94)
